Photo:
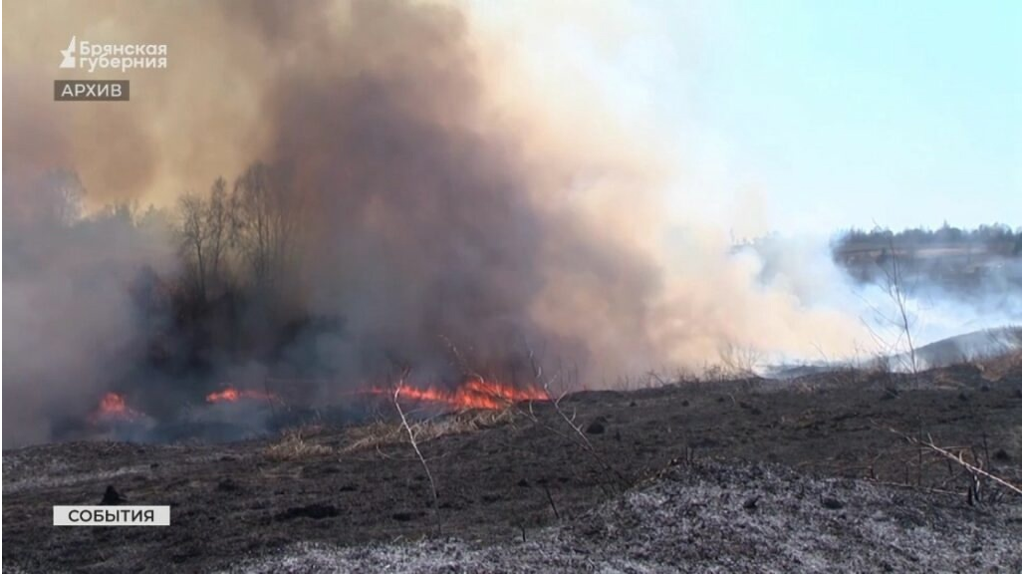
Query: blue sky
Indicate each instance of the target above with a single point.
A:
(825, 114)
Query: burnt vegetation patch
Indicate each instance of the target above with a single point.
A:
(508, 478)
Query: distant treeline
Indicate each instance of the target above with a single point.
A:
(967, 261)
(996, 239)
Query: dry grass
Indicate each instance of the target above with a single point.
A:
(294, 445)
(383, 433)
(1002, 365)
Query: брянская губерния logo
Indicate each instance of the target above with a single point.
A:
(90, 56)
(69, 55)
(83, 55)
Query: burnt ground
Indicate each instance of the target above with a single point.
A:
(748, 475)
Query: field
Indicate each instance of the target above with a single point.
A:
(820, 472)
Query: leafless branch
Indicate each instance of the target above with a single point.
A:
(577, 429)
(958, 459)
(415, 446)
(897, 292)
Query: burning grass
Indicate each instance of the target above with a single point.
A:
(473, 393)
(112, 408)
(231, 395)
(115, 415)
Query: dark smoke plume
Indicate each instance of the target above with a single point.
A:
(413, 220)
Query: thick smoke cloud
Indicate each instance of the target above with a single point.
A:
(431, 203)
(429, 218)
(418, 218)
(70, 310)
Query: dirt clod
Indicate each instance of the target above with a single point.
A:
(832, 503)
(111, 496)
(597, 426)
(228, 485)
(315, 511)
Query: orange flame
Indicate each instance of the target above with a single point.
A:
(113, 407)
(473, 394)
(232, 395)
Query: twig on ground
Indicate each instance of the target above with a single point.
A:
(415, 447)
(582, 441)
(551, 501)
(959, 459)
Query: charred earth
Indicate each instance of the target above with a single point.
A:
(824, 471)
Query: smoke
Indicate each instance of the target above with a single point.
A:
(434, 203)
(69, 305)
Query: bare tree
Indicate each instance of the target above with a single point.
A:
(204, 235)
(218, 223)
(194, 238)
(264, 223)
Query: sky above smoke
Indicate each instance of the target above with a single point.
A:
(450, 187)
(914, 103)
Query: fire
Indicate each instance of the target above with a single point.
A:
(113, 407)
(231, 395)
(473, 394)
